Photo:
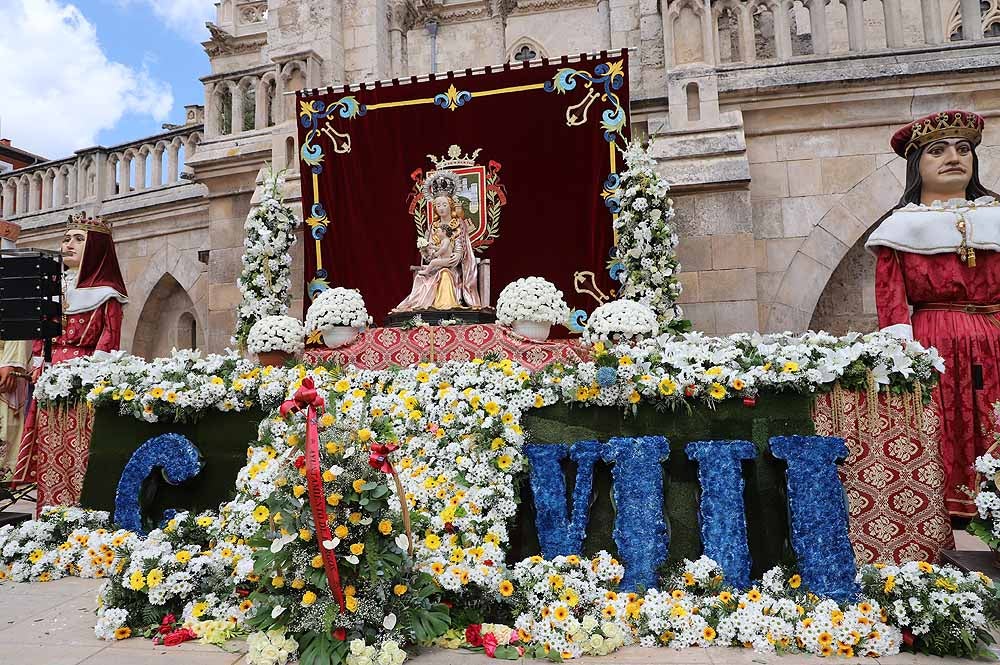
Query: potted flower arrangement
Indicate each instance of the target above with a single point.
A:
(275, 339)
(620, 320)
(531, 306)
(339, 314)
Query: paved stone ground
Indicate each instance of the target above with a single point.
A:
(53, 624)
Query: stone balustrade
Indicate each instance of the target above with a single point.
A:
(254, 99)
(750, 32)
(95, 175)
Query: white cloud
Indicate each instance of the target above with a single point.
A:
(185, 17)
(58, 89)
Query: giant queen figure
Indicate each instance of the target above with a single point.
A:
(937, 280)
(93, 293)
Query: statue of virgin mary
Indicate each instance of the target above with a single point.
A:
(447, 277)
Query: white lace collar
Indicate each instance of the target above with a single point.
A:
(934, 229)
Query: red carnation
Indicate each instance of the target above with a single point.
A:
(179, 637)
(300, 461)
(488, 562)
(490, 644)
(473, 637)
(340, 634)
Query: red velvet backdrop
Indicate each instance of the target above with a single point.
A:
(362, 148)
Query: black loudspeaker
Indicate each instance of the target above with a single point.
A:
(30, 294)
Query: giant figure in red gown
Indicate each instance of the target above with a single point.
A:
(92, 297)
(937, 280)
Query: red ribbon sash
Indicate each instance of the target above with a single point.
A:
(308, 398)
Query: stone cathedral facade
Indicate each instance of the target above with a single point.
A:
(771, 119)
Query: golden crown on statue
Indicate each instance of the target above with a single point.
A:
(81, 222)
(455, 159)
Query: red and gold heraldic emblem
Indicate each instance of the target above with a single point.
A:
(479, 193)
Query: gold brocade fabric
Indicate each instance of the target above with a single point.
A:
(63, 450)
(893, 475)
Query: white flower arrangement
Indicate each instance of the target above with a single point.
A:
(620, 320)
(277, 333)
(337, 307)
(532, 299)
(265, 281)
(647, 239)
(270, 648)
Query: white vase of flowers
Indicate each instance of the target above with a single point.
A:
(620, 321)
(339, 314)
(531, 306)
(276, 338)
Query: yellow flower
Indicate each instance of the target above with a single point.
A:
(624, 361)
(154, 578)
(354, 518)
(308, 598)
(340, 531)
(556, 581)
(352, 603)
(385, 527)
(277, 581)
(713, 371)
(890, 584)
(183, 556)
(667, 386)
(199, 609)
(334, 499)
(504, 462)
(357, 549)
(795, 581)
(358, 484)
(298, 490)
(128, 395)
(326, 419)
(261, 513)
(35, 556)
(400, 589)
(364, 435)
(156, 393)
(204, 521)
(305, 534)
(342, 386)
(539, 401)
(317, 561)
(171, 397)
(717, 391)
(506, 588)
(634, 397)
(492, 408)
(708, 633)
(925, 567)
(789, 367)
(137, 580)
(599, 348)
(738, 384)
(432, 542)
(753, 595)
(560, 613)
(298, 583)
(123, 633)
(422, 377)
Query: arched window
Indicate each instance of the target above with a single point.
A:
(524, 53)
(187, 331)
(290, 152)
(728, 26)
(693, 102)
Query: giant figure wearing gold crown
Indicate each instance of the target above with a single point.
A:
(15, 361)
(938, 256)
(93, 293)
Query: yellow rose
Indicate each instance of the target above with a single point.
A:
(340, 531)
(298, 490)
(357, 549)
(308, 598)
(358, 484)
(385, 527)
(278, 581)
(298, 583)
(400, 589)
(317, 561)
(352, 603)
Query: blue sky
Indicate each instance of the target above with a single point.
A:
(133, 34)
(88, 72)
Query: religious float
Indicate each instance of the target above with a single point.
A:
(342, 492)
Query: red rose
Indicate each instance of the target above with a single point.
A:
(490, 644)
(300, 461)
(167, 624)
(340, 634)
(472, 635)
(908, 638)
(179, 637)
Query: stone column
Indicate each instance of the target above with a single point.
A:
(931, 13)
(604, 21)
(140, 171)
(34, 193)
(893, 23)
(59, 188)
(9, 194)
(817, 26)
(748, 47)
(172, 162)
(401, 15)
(156, 179)
(856, 24)
(236, 119)
(972, 22)
(48, 184)
(783, 30)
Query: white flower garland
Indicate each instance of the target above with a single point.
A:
(532, 299)
(620, 320)
(647, 239)
(277, 333)
(266, 279)
(337, 307)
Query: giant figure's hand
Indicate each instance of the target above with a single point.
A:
(7, 379)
